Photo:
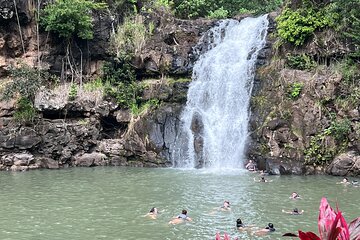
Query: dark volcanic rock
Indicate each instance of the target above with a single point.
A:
(346, 164)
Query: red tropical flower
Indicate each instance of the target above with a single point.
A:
(332, 226)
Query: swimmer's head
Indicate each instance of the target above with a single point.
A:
(238, 222)
(153, 210)
(184, 211)
(270, 227)
(295, 210)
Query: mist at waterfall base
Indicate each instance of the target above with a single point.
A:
(214, 123)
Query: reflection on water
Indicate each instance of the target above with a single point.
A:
(110, 203)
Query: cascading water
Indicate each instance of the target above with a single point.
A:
(214, 123)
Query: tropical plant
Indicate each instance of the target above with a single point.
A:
(25, 111)
(26, 81)
(296, 26)
(218, 13)
(349, 24)
(70, 17)
(206, 8)
(332, 226)
(73, 92)
(301, 62)
(130, 37)
(295, 90)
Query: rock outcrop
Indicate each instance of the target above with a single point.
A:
(305, 133)
(90, 130)
(346, 164)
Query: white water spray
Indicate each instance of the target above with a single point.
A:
(214, 123)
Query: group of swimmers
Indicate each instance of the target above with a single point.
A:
(183, 217)
(251, 166)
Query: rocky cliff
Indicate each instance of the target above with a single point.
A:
(305, 120)
(92, 130)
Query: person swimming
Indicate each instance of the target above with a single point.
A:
(295, 211)
(180, 218)
(225, 206)
(241, 226)
(262, 180)
(294, 195)
(152, 213)
(251, 166)
(344, 181)
(269, 228)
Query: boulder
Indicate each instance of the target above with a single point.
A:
(345, 164)
(281, 166)
(90, 159)
(48, 163)
(17, 159)
(123, 116)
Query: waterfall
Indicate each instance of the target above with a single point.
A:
(214, 123)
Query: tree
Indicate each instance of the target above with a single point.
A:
(70, 17)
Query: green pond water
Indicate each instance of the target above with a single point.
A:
(110, 203)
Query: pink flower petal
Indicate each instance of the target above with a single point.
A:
(326, 218)
(308, 236)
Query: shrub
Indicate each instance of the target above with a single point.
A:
(301, 62)
(219, 13)
(349, 87)
(340, 129)
(118, 71)
(73, 91)
(349, 24)
(165, 4)
(119, 79)
(137, 109)
(203, 8)
(70, 17)
(94, 85)
(318, 153)
(296, 26)
(26, 81)
(130, 37)
(192, 8)
(25, 111)
(295, 90)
